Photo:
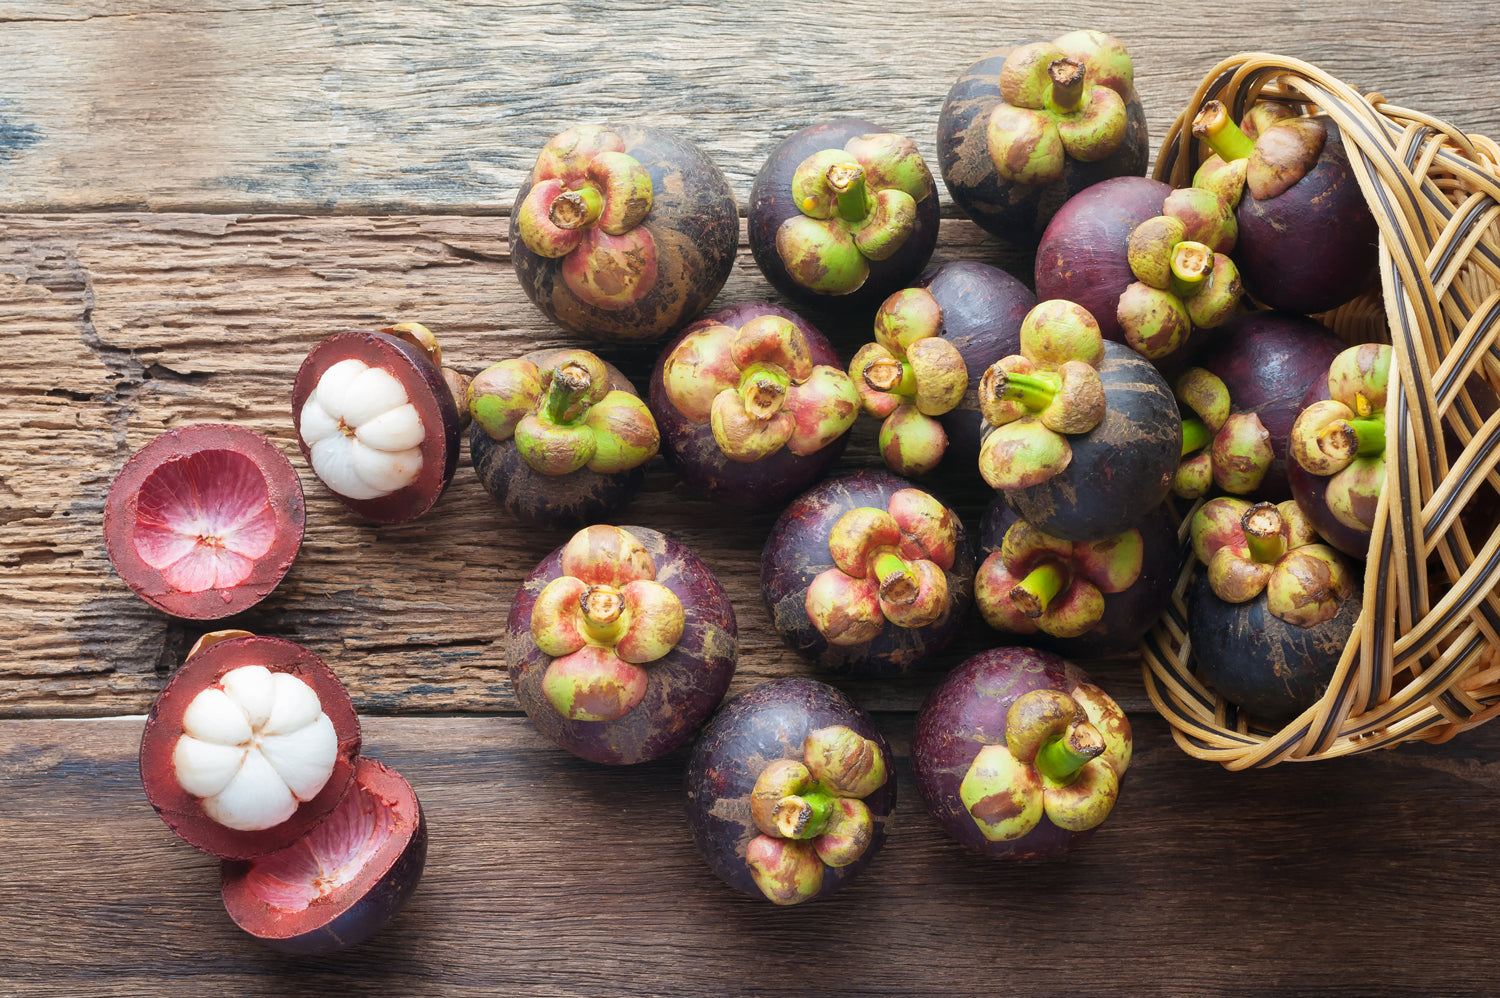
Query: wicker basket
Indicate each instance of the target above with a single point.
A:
(1424, 659)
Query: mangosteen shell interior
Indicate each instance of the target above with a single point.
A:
(356, 910)
(796, 552)
(769, 722)
(694, 221)
(683, 686)
(283, 493)
(425, 389)
(182, 811)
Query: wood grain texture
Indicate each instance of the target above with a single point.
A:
(442, 106)
(548, 875)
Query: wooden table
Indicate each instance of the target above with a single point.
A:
(196, 194)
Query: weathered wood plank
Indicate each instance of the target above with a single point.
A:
(552, 876)
(442, 106)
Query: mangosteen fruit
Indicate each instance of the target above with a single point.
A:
(1083, 599)
(344, 880)
(1307, 239)
(559, 437)
(377, 423)
(1084, 434)
(249, 746)
(980, 309)
(1018, 755)
(1337, 445)
(753, 405)
(867, 575)
(1025, 129)
(205, 520)
(790, 789)
(620, 643)
(843, 212)
(624, 233)
(1271, 608)
(907, 378)
(1240, 399)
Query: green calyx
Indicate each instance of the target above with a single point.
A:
(1038, 582)
(1283, 151)
(1232, 450)
(1250, 549)
(583, 180)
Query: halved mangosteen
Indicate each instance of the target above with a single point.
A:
(344, 880)
(205, 520)
(377, 423)
(250, 745)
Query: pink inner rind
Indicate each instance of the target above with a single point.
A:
(203, 520)
(331, 855)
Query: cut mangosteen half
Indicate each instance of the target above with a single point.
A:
(377, 424)
(204, 521)
(251, 744)
(344, 880)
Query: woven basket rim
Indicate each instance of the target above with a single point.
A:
(1423, 660)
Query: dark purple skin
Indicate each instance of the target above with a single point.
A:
(756, 728)
(387, 894)
(695, 222)
(1018, 213)
(983, 307)
(1311, 493)
(771, 203)
(426, 390)
(967, 712)
(797, 551)
(1312, 247)
(691, 449)
(1267, 667)
(1129, 614)
(684, 685)
(1082, 255)
(1268, 361)
(1122, 468)
(553, 502)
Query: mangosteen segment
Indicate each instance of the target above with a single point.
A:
(1343, 439)
(1037, 582)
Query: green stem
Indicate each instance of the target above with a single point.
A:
(1370, 432)
(892, 376)
(897, 582)
(1264, 537)
(1191, 264)
(1035, 391)
(576, 209)
(1195, 435)
(763, 389)
(1057, 760)
(568, 385)
(1035, 593)
(1068, 77)
(804, 816)
(1214, 126)
(848, 183)
(603, 609)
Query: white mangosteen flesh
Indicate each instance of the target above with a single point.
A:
(331, 855)
(203, 520)
(362, 432)
(253, 747)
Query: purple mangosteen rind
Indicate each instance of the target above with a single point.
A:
(426, 390)
(183, 812)
(554, 502)
(1128, 614)
(357, 909)
(797, 552)
(693, 223)
(683, 686)
(283, 497)
(983, 307)
(967, 711)
(769, 722)
(1121, 468)
(690, 446)
(1018, 213)
(772, 203)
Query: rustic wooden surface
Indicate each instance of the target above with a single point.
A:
(195, 194)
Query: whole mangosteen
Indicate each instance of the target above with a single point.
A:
(790, 789)
(1025, 129)
(620, 643)
(559, 437)
(1083, 599)
(623, 232)
(205, 520)
(1018, 755)
(867, 575)
(1271, 609)
(753, 405)
(1084, 434)
(843, 212)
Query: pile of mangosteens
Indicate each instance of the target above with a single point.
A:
(1164, 397)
